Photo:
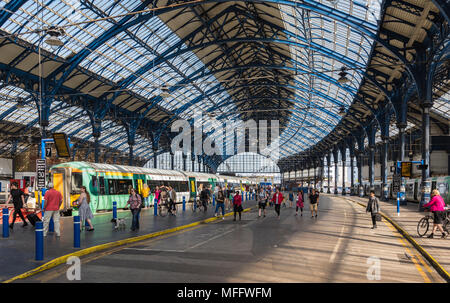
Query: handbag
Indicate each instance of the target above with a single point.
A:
(377, 217)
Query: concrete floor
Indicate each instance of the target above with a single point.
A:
(338, 246)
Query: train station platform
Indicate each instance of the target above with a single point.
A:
(18, 250)
(408, 219)
(337, 246)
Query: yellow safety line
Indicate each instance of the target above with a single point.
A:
(417, 265)
(438, 267)
(50, 275)
(90, 250)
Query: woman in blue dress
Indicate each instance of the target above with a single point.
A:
(84, 209)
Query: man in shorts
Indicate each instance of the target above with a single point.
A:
(313, 202)
(261, 196)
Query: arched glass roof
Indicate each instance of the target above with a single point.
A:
(235, 60)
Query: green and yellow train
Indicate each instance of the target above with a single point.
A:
(107, 183)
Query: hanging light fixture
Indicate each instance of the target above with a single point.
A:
(20, 103)
(55, 33)
(343, 76)
(165, 93)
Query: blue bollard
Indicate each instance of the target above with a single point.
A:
(214, 200)
(195, 204)
(39, 241)
(114, 210)
(242, 197)
(184, 203)
(76, 231)
(155, 207)
(5, 222)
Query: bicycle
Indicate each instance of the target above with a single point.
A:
(424, 223)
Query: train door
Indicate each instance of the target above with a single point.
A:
(59, 179)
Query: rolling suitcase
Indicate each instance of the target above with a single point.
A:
(33, 218)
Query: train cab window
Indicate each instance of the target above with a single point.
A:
(76, 182)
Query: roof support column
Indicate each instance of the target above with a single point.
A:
(359, 163)
(371, 138)
(130, 145)
(328, 166)
(184, 161)
(335, 157)
(384, 155)
(352, 170)
(155, 157)
(424, 77)
(96, 132)
(172, 156)
(343, 157)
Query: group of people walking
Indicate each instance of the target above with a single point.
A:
(264, 196)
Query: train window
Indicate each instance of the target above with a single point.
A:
(119, 187)
(184, 187)
(101, 185)
(76, 182)
(433, 185)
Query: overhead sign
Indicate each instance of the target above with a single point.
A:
(406, 169)
(62, 145)
(48, 152)
(41, 167)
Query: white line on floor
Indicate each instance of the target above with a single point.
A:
(336, 248)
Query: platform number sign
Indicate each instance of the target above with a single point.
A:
(41, 172)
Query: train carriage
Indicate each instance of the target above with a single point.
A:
(107, 183)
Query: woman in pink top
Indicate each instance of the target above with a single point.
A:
(436, 206)
(299, 203)
(157, 194)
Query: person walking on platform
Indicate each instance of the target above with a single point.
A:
(146, 194)
(220, 199)
(84, 209)
(261, 197)
(135, 206)
(18, 199)
(277, 199)
(237, 205)
(172, 201)
(157, 195)
(373, 207)
(291, 199)
(227, 193)
(437, 205)
(53, 201)
(204, 197)
(314, 202)
(299, 203)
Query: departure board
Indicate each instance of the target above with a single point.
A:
(62, 145)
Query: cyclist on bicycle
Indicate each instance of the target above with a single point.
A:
(437, 207)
